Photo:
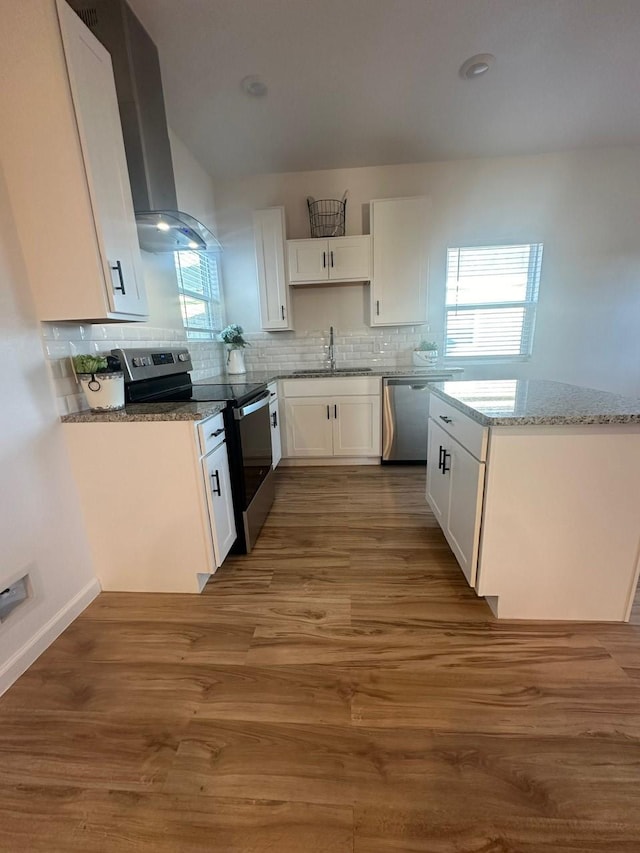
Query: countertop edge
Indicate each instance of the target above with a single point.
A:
(537, 420)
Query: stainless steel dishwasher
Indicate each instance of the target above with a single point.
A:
(405, 416)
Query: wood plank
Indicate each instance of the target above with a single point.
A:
(87, 750)
(239, 610)
(387, 831)
(73, 820)
(590, 778)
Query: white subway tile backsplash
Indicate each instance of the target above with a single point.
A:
(389, 347)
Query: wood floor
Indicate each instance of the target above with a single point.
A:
(341, 689)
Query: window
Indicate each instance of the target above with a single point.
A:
(200, 294)
(491, 298)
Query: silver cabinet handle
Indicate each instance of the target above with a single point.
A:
(324, 260)
(331, 253)
(377, 307)
(282, 311)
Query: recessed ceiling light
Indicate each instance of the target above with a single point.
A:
(476, 65)
(163, 226)
(254, 86)
(192, 244)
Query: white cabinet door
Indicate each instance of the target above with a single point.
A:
(223, 525)
(98, 120)
(273, 288)
(400, 229)
(309, 426)
(350, 258)
(465, 507)
(276, 440)
(438, 484)
(308, 260)
(356, 426)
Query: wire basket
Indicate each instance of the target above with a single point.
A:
(327, 216)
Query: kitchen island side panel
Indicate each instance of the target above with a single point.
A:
(561, 522)
(142, 493)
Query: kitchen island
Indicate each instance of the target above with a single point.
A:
(536, 486)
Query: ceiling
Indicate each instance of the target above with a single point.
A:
(374, 82)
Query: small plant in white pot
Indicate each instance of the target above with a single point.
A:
(234, 343)
(101, 380)
(425, 354)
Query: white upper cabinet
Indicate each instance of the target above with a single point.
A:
(63, 153)
(96, 106)
(269, 236)
(400, 228)
(334, 259)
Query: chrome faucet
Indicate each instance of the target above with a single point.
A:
(331, 355)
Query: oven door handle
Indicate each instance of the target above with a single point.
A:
(263, 400)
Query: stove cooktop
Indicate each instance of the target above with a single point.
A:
(236, 393)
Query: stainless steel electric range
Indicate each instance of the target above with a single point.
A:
(153, 376)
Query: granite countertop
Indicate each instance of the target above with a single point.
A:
(528, 402)
(268, 376)
(198, 411)
(148, 412)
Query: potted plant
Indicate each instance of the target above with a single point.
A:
(426, 354)
(232, 338)
(102, 381)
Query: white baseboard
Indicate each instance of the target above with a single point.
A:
(334, 461)
(21, 660)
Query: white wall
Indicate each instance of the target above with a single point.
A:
(584, 206)
(41, 529)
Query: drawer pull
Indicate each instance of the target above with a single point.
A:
(216, 433)
(446, 419)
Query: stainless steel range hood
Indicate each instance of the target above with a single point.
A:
(136, 67)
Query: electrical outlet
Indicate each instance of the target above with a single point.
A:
(12, 596)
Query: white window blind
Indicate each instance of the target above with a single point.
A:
(200, 294)
(491, 298)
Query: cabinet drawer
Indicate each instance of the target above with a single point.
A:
(210, 433)
(331, 386)
(272, 388)
(469, 433)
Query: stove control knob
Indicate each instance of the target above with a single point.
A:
(182, 356)
(137, 362)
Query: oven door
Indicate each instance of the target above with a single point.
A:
(254, 429)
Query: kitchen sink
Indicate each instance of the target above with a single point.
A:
(329, 372)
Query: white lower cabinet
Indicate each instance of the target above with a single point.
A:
(455, 486)
(333, 426)
(356, 426)
(309, 426)
(332, 418)
(223, 525)
(158, 513)
(274, 417)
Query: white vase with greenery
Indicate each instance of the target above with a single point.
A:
(234, 343)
